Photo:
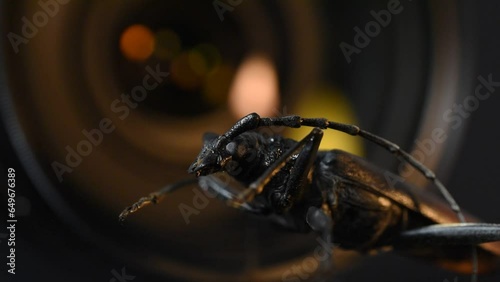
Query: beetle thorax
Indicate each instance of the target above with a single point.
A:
(252, 153)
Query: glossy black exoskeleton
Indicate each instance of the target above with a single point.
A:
(349, 201)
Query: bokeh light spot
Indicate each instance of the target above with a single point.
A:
(255, 88)
(197, 63)
(211, 55)
(137, 43)
(182, 73)
(328, 102)
(168, 44)
(217, 83)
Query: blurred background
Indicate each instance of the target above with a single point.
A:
(103, 102)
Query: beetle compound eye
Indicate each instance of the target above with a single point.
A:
(231, 147)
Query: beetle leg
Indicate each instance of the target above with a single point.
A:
(155, 197)
(453, 234)
(456, 234)
(305, 153)
(222, 190)
(322, 223)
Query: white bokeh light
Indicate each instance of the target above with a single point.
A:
(255, 88)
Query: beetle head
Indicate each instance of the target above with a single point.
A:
(220, 154)
(212, 157)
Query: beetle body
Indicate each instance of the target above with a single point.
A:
(372, 214)
(368, 214)
(349, 201)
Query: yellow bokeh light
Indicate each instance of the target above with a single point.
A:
(204, 58)
(137, 43)
(197, 63)
(330, 103)
(217, 83)
(182, 73)
(168, 44)
(211, 55)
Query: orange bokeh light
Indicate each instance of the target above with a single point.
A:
(137, 43)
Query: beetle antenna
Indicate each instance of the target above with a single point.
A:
(254, 121)
(155, 197)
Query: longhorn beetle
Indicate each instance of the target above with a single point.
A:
(343, 197)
